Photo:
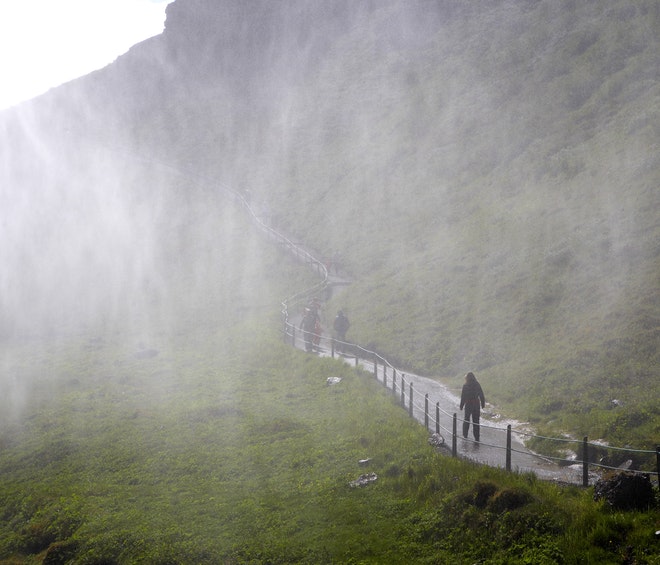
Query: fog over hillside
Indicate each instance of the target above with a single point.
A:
(488, 170)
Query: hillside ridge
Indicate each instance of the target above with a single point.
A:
(489, 173)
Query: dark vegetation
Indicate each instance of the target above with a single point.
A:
(489, 172)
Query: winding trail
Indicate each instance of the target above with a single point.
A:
(436, 413)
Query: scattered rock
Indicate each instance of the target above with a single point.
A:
(626, 491)
(333, 380)
(508, 499)
(626, 464)
(363, 480)
(483, 492)
(364, 462)
(436, 440)
(571, 459)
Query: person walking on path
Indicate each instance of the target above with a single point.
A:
(310, 324)
(472, 398)
(341, 325)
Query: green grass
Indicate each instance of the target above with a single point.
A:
(491, 182)
(196, 456)
(209, 440)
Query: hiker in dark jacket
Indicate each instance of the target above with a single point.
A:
(341, 325)
(472, 398)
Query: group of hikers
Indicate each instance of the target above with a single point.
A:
(312, 330)
(472, 395)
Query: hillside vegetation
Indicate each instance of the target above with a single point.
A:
(489, 174)
(214, 444)
(171, 424)
(493, 187)
(488, 171)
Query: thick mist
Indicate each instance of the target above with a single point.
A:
(109, 256)
(78, 244)
(488, 172)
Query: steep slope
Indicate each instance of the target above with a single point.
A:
(488, 170)
(504, 201)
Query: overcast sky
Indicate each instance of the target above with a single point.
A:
(44, 43)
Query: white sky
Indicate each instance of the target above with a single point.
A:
(44, 43)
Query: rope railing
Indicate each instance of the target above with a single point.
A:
(402, 385)
(373, 361)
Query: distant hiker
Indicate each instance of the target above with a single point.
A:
(318, 332)
(341, 325)
(472, 397)
(310, 324)
(315, 305)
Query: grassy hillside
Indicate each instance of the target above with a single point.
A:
(243, 454)
(490, 175)
(488, 171)
(494, 191)
(185, 431)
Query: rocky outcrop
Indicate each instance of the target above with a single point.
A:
(626, 491)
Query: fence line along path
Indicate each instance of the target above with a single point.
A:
(434, 406)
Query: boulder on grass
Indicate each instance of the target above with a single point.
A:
(626, 491)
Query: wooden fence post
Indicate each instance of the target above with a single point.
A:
(375, 368)
(332, 348)
(437, 417)
(403, 389)
(426, 410)
(508, 448)
(657, 461)
(385, 376)
(293, 335)
(453, 438)
(585, 462)
(410, 400)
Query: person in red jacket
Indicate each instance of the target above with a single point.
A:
(472, 398)
(310, 325)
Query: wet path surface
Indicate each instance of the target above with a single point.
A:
(490, 450)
